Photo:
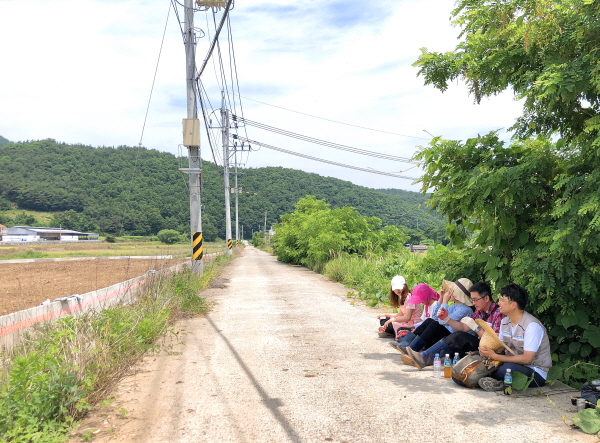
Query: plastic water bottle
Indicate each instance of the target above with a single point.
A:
(508, 382)
(437, 366)
(447, 366)
(455, 359)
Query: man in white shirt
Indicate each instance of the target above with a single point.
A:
(525, 335)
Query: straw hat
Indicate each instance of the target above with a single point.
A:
(460, 289)
(490, 338)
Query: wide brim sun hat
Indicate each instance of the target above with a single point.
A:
(422, 293)
(490, 338)
(398, 282)
(460, 289)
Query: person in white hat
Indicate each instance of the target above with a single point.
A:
(393, 324)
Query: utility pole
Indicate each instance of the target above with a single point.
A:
(225, 133)
(237, 192)
(191, 139)
(265, 230)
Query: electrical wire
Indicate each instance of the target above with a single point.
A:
(155, 72)
(322, 142)
(334, 121)
(215, 39)
(372, 171)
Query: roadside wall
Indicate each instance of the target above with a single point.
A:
(13, 327)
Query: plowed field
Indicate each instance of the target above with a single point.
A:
(25, 285)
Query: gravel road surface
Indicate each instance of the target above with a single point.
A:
(286, 357)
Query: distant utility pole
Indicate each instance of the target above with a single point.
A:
(191, 139)
(225, 134)
(265, 229)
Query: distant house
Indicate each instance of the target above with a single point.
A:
(419, 248)
(34, 234)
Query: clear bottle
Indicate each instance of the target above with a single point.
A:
(447, 366)
(508, 382)
(437, 366)
(455, 359)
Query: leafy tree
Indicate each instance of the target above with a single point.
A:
(314, 233)
(169, 236)
(3, 141)
(24, 219)
(534, 205)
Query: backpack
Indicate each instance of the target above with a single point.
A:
(471, 368)
(591, 393)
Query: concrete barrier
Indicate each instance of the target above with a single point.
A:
(13, 327)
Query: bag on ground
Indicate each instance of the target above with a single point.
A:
(471, 368)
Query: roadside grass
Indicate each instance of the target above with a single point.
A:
(67, 366)
(370, 276)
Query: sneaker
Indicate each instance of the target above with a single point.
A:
(491, 384)
(384, 334)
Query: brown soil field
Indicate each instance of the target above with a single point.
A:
(25, 285)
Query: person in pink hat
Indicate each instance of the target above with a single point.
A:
(395, 325)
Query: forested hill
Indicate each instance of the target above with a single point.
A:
(140, 191)
(3, 141)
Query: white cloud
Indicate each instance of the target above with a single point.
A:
(81, 72)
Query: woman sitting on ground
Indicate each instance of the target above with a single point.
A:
(433, 329)
(396, 325)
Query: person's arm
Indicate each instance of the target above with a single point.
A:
(466, 324)
(401, 318)
(524, 359)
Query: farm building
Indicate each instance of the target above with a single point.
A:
(33, 234)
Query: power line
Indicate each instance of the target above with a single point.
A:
(215, 39)
(334, 121)
(321, 142)
(372, 171)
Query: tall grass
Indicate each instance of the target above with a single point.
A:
(66, 366)
(371, 275)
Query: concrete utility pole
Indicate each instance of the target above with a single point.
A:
(191, 139)
(237, 193)
(265, 230)
(225, 133)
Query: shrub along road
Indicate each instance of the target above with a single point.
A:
(285, 357)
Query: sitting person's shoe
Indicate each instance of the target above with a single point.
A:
(407, 360)
(417, 359)
(395, 345)
(491, 384)
(384, 334)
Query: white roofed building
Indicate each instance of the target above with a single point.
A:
(34, 234)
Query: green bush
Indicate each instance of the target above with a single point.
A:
(169, 236)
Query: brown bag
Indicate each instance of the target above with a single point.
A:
(471, 368)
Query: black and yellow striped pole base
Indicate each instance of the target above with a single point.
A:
(197, 250)
(229, 244)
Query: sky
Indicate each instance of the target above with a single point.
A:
(83, 71)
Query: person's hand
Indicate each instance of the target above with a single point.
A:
(470, 323)
(447, 294)
(442, 314)
(484, 351)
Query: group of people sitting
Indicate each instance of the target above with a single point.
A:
(455, 320)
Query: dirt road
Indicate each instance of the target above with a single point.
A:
(285, 357)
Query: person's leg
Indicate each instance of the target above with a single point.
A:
(423, 359)
(462, 342)
(432, 334)
(538, 380)
(423, 326)
(389, 328)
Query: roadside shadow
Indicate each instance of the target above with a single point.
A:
(272, 404)
(379, 356)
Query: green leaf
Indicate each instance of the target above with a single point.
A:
(574, 347)
(583, 320)
(521, 381)
(588, 420)
(568, 320)
(592, 334)
(554, 373)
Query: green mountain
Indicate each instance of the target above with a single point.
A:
(3, 141)
(139, 191)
